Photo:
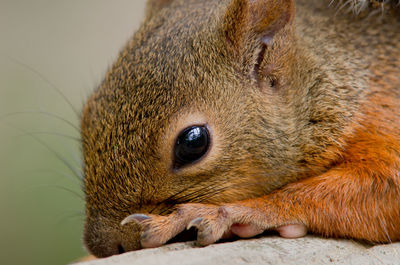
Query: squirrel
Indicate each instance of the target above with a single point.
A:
(240, 116)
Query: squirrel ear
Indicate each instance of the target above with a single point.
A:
(153, 6)
(260, 19)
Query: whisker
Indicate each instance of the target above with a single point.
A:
(62, 174)
(52, 85)
(187, 198)
(198, 193)
(78, 215)
(62, 159)
(42, 113)
(61, 188)
(190, 196)
(77, 159)
(175, 194)
(210, 193)
(54, 134)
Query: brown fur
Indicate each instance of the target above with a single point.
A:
(368, 6)
(303, 111)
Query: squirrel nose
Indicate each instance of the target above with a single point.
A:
(126, 243)
(121, 249)
(104, 239)
(112, 248)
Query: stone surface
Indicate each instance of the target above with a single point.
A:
(267, 250)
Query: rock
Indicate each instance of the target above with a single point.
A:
(267, 250)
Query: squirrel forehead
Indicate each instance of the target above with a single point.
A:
(174, 53)
(167, 66)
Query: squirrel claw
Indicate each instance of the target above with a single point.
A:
(194, 223)
(210, 231)
(137, 218)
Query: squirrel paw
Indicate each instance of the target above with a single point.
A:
(212, 222)
(226, 222)
(241, 221)
(157, 230)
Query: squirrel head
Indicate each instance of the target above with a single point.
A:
(210, 101)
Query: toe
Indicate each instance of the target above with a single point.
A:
(246, 230)
(292, 231)
(149, 240)
(210, 231)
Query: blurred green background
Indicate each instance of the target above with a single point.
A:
(45, 44)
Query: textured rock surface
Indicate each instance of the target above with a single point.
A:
(267, 250)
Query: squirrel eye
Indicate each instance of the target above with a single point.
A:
(191, 145)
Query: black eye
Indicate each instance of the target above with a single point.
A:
(191, 145)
